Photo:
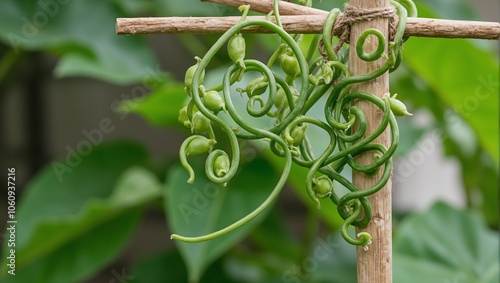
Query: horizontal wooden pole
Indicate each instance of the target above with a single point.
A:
(266, 6)
(421, 27)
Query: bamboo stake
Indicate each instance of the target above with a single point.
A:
(374, 264)
(299, 24)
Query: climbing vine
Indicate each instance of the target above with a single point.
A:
(286, 94)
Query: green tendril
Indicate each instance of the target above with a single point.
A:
(282, 99)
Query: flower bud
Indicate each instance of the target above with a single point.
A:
(289, 64)
(221, 165)
(200, 124)
(323, 76)
(323, 187)
(213, 101)
(257, 86)
(280, 98)
(236, 48)
(398, 107)
(199, 145)
(183, 117)
(188, 78)
(297, 135)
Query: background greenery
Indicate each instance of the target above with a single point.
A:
(71, 230)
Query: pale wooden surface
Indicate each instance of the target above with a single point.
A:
(375, 264)
(301, 24)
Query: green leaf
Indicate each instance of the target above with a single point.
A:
(159, 267)
(74, 224)
(82, 256)
(272, 236)
(463, 76)
(445, 244)
(161, 107)
(87, 47)
(203, 207)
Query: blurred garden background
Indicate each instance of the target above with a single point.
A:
(89, 122)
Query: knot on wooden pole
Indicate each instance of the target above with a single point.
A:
(353, 15)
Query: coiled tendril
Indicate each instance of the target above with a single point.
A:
(275, 96)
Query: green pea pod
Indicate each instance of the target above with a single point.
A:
(183, 117)
(188, 78)
(200, 124)
(199, 145)
(213, 101)
(397, 107)
(236, 48)
(290, 65)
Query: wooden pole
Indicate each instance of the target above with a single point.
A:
(374, 264)
(266, 6)
(299, 24)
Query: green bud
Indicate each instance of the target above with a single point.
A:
(183, 117)
(397, 107)
(297, 135)
(323, 76)
(323, 187)
(200, 124)
(200, 145)
(289, 64)
(236, 48)
(188, 78)
(280, 98)
(221, 165)
(257, 86)
(213, 101)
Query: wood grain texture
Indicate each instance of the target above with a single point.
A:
(374, 264)
(421, 27)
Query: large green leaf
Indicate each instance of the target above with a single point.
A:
(445, 244)
(64, 214)
(83, 33)
(204, 207)
(465, 77)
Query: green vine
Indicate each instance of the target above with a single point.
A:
(286, 94)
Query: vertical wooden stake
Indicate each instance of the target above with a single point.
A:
(374, 265)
